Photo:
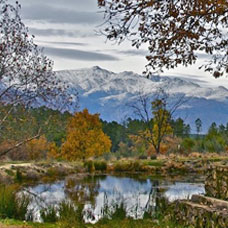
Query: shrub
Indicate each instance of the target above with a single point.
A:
(12, 205)
(120, 212)
(90, 166)
(100, 165)
(66, 214)
(153, 157)
(128, 166)
(19, 176)
(142, 157)
(122, 166)
(49, 214)
(188, 144)
(70, 213)
(66, 210)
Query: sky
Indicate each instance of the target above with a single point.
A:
(69, 32)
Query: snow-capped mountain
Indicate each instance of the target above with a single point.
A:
(109, 93)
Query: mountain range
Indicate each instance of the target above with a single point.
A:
(110, 94)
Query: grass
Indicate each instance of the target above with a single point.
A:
(156, 163)
(22, 224)
(12, 205)
(117, 223)
(71, 217)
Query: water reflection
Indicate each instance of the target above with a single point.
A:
(98, 194)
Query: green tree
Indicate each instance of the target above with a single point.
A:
(188, 144)
(198, 124)
(116, 132)
(214, 140)
(180, 129)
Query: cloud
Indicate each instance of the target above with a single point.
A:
(189, 77)
(52, 32)
(61, 32)
(41, 12)
(77, 4)
(194, 80)
(62, 43)
(133, 52)
(78, 54)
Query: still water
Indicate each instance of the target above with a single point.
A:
(136, 194)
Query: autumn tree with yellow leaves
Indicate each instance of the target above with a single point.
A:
(85, 137)
(157, 128)
(160, 125)
(37, 148)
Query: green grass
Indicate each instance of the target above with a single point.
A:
(12, 206)
(117, 223)
(20, 224)
(156, 163)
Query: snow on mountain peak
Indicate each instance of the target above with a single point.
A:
(108, 93)
(97, 79)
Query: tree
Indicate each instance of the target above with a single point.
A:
(160, 125)
(175, 31)
(26, 75)
(188, 144)
(157, 119)
(198, 124)
(215, 140)
(180, 129)
(116, 133)
(85, 137)
(37, 148)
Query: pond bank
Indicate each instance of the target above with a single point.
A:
(49, 170)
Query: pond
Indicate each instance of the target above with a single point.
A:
(136, 194)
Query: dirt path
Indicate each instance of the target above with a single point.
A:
(8, 166)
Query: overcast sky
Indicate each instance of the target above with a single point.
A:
(67, 31)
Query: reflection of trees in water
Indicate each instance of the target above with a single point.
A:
(82, 190)
(105, 196)
(85, 191)
(42, 197)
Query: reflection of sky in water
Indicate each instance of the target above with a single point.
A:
(183, 191)
(45, 194)
(134, 194)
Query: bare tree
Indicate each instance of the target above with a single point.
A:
(157, 114)
(26, 74)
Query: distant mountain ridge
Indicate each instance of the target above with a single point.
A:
(109, 93)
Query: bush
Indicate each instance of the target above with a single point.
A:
(100, 165)
(153, 157)
(66, 214)
(12, 205)
(90, 166)
(188, 144)
(128, 166)
(142, 157)
(19, 176)
(66, 210)
(49, 214)
(120, 212)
